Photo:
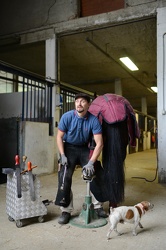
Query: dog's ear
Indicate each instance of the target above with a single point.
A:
(146, 205)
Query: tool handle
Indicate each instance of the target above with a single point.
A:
(30, 167)
(17, 160)
(24, 158)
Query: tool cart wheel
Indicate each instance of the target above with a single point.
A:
(40, 219)
(19, 223)
(10, 218)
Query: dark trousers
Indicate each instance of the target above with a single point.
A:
(76, 155)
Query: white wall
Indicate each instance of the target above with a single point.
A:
(161, 83)
(147, 140)
(40, 147)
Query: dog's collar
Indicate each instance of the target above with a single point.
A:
(141, 207)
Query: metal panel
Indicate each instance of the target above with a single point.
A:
(24, 207)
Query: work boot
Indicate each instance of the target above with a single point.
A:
(101, 213)
(64, 218)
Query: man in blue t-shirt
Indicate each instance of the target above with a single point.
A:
(75, 131)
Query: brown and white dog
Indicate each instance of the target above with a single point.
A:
(130, 214)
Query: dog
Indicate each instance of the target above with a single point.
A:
(130, 214)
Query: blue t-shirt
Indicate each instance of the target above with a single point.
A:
(79, 130)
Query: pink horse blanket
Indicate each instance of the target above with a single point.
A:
(113, 109)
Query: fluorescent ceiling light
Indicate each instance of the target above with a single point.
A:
(129, 63)
(155, 89)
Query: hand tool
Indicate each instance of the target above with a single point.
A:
(48, 202)
(64, 175)
(18, 175)
(31, 182)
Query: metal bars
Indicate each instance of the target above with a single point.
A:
(36, 95)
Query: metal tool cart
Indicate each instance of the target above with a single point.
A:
(23, 195)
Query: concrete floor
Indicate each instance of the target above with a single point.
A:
(51, 235)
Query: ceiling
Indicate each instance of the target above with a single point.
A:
(90, 60)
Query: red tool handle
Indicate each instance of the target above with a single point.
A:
(29, 166)
(17, 160)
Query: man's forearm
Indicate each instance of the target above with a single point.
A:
(60, 145)
(96, 152)
(61, 148)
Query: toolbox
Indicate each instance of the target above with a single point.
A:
(23, 200)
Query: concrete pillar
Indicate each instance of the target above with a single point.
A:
(51, 52)
(161, 99)
(144, 105)
(118, 86)
(144, 110)
(52, 69)
(137, 117)
(51, 55)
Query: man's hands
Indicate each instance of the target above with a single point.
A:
(63, 159)
(88, 169)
